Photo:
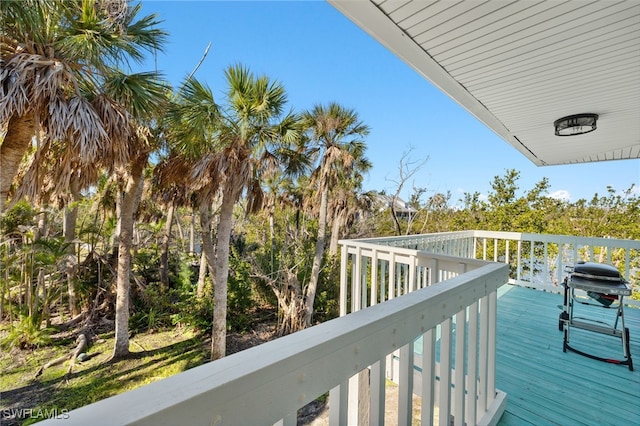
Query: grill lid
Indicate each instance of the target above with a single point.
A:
(596, 271)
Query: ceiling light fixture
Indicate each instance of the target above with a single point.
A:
(575, 124)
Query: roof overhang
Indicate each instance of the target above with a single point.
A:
(518, 66)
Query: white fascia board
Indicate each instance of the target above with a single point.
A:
(367, 16)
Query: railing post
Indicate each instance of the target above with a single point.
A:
(357, 298)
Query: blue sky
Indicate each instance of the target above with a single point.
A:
(320, 57)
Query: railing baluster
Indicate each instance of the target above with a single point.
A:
(445, 373)
(531, 262)
(364, 302)
(377, 394)
(428, 377)
(383, 280)
(405, 390)
(374, 278)
(290, 420)
(472, 362)
(483, 355)
(495, 249)
(338, 404)
(392, 276)
(412, 274)
(519, 262)
(459, 386)
(344, 271)
(356, 294)
(491, 347)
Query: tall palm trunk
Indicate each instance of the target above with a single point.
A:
(128, 207)
(202, 275)
(15, 144)
(220, 276)
(208, 253)
(164, 255)
(192, 234)
(338, 219)
(317, 257)
(69, 232)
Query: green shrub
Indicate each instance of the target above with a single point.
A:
(26, 334)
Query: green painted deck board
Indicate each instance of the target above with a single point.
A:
(546, 386)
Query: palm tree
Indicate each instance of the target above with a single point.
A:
(191, 125)
(171, 188)
(238, 146)
(347, 199)
(61, 78)
(53, 52)
(335, 136)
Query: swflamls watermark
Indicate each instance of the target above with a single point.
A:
(34, 413)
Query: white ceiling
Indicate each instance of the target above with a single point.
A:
(520, 65)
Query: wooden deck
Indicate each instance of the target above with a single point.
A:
(546, 386)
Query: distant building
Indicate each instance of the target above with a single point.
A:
(403, 210)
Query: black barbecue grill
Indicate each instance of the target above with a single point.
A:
(606, 289)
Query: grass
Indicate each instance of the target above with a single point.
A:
(153, 356)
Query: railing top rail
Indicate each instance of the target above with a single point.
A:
(421, 254)
(379, 240)
(264, 384)
(522, 236)
(559, 238)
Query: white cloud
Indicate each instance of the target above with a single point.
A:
(561, 194)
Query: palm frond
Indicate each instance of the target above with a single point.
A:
(142, 94)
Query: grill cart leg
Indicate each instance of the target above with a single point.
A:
(627, 350)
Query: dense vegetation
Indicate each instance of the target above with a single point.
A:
(129, 206)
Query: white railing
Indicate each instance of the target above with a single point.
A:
(267, 384)
(376, 270)
(536, 260)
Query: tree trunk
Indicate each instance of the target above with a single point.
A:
(81, 345)
(202, 275)
(69, 232)
(164, 256)
(16, 142)
(135, 180)
(192, 233)
(317, 257)
(220, 276)
(338, 220)
(207, 244)
(41, 231)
